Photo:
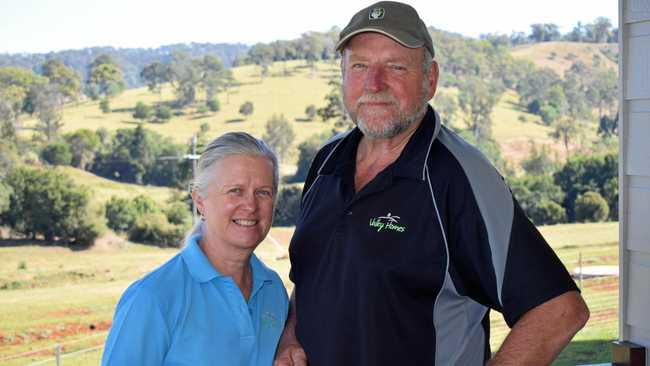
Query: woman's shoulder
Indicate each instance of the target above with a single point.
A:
(159, 286)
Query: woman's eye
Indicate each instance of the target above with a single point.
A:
(234, 190)
(265, 193)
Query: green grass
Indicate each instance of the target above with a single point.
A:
(62, 293)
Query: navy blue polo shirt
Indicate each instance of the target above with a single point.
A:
(405, 270)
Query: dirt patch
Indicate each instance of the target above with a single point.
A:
(53, 332)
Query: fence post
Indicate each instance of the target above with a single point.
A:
(580, 266)
(57, 354)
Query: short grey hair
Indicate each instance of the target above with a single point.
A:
(231, 143)
(228, 144)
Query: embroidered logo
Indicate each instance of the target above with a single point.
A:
(376, 14)
(388, 222)
(269, 320)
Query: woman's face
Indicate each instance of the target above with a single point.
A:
(238, 207)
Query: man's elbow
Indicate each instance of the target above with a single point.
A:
(577, 313)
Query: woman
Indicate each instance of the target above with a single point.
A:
(214, 303)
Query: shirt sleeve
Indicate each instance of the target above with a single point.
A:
(497, 256)
(139, 334)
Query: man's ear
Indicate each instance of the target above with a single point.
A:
(434, 72)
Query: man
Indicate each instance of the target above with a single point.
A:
(408, 236)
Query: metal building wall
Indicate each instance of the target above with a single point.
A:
(634, 171)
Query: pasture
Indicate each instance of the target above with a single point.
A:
(52, 295)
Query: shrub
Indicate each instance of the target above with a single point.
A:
(178, 213)
(120, 214)
(142, 111)
(287, 209)
(105, 105)
(202, 109)
(57, 153)
(153, 228)
(163, 113)
(246, 109)
(591, 207)
(213, 105)
(540, 198)
(5, 194)
(306, 153)
(310, 111)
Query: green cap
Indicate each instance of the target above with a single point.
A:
(398, 21)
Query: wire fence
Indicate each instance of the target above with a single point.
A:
(599, 292)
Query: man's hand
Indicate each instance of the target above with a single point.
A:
(539, 336)
(290, 355)
(290, 352)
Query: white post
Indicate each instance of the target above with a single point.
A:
(57, 354)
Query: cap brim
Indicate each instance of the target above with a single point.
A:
(401, 38)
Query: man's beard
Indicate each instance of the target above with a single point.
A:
(395, 127)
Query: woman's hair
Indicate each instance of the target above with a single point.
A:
(231, 143)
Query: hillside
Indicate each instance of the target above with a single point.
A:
(292, 85)
(559, 56)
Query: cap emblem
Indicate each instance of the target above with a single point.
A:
(376, 14)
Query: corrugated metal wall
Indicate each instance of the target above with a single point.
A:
(634, 130)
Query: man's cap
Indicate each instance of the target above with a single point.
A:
(396, 20)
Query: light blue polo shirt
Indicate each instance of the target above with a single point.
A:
(187, 313)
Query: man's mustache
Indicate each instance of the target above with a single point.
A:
(377, 98)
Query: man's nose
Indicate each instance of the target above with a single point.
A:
(374, 79)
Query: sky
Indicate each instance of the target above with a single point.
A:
(37, 26)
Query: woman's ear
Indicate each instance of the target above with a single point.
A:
(198, 201)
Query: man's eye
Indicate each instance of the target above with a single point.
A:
(358, 66)
(397, 67)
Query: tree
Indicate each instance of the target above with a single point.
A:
(581, 174)
(287, 210)
(163, 113)
(565, 130)
(447, 106)
(213, 105)
(279, 135)
(546, 32)
(310, 112)
(142, 111)
(57, 153)
(48, 203)
(306, 153)
(591, 207)
(48, 105)
(540, 198)
(246, 109)
(105, 78)
(185, 78)
(64, 78)
(477, 98)
(15, 98)
(335, 109)
(538, 161)
(154, 75)
(212, 75)
(84, 144)
(601, 30)
(105, 105)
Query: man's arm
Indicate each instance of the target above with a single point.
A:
(290, 352)
(541, 333)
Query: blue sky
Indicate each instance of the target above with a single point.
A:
(53, 25)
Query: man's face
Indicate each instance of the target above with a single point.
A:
(384, 85)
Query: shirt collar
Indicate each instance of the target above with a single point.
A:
(411, 161)
(202, 270)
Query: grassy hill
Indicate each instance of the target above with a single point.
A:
(291, 86)
(559, 56)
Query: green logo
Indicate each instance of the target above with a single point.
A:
(388, 222)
